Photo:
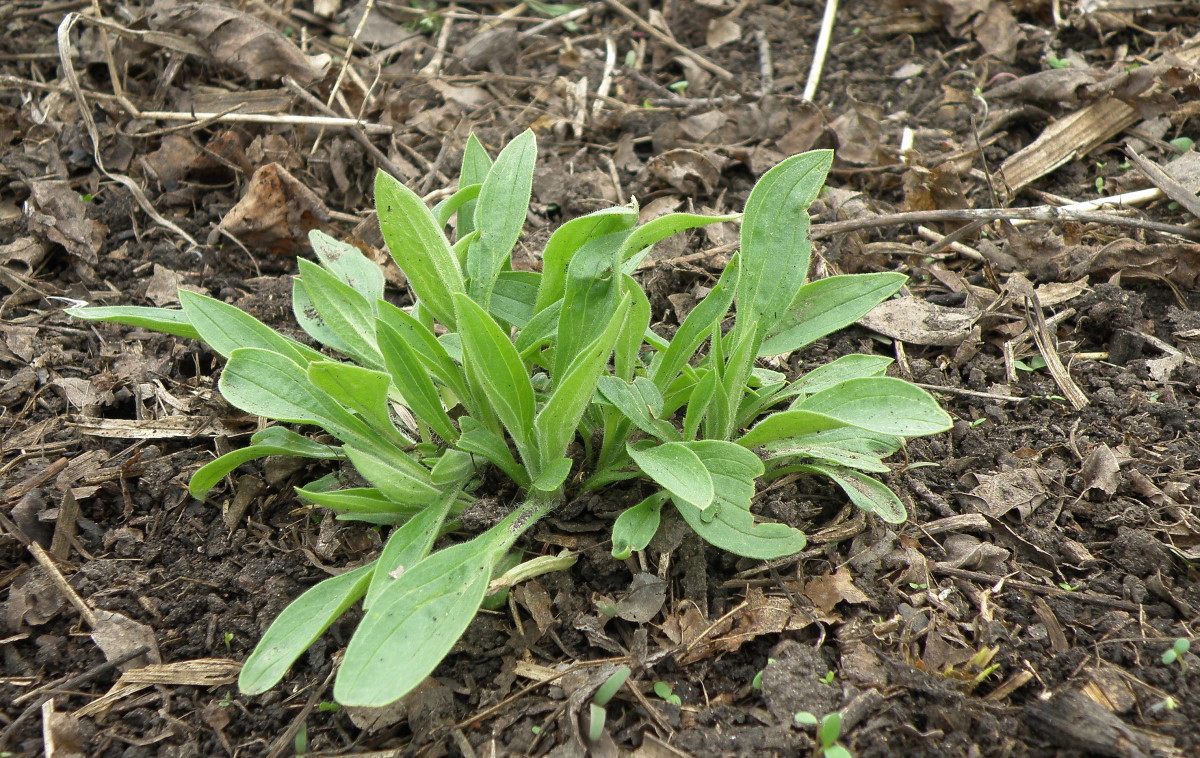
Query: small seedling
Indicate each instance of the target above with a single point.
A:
(663, 690)
(829, 678)
(328, 707)
(1176, 651)
(829, 731)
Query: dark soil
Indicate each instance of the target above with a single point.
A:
(1024, 608)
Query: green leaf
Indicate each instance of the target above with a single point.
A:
(461, 200)
(362, 390)
(568, 239)
(626, 356)
(408, 545)
(271, 385)
(637, 525)
(677, 469)
(409, 375)
(347, 313)
(553, 475)
(733, 469)
(453, 467)
(830, 729)
(159, 319)
(349, 265)
(642, 239)
(639, 409)
(881, 404)
(478, 440)
(593, 291)
(414, 623)
(274, 440)
(697, 326)
(226, 328)
(775, 249)
(784, 424)
(864, 491)
(432, 353)
(500, 214)
(513, 296)
(476, 164)
(502, 376)
(698, 403)
(833, 373)
(358, 500)
(312, 322)
(827, 305)
(574, 389)
(419, 247)
(299, 626)
(538, 332)
(734, 530)
(400, 478)
(847, 446)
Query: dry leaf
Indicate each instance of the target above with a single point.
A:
(243, 42)
(827, 591)
(997, 494)
(913, 320)
(60, 215)
(1101, 470)
(689, 171)
(722, 31)
(277, 212)
(643, 600)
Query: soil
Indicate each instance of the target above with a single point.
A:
(1023, 610)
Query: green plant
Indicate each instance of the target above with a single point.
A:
(1176, 651)
(664, 692)
(829, 731)
(553, 378)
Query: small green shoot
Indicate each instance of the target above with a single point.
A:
(1176, 651)
(829, 731)
(664, 692)
(829, 678)
(1053, 61)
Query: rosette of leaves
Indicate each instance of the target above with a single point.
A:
(553, 378)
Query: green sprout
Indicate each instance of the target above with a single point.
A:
(664, 692)
(829, 731)
(551, 379)
(1176, 651)
(829, 677)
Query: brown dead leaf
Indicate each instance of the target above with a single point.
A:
(968, 552)
(276, 213)
(762, 615)
(997, 31)
(859, 134)
(118, 635)
(1178, 262)
(60, 215)
(722, 31)
(1051, 87)
(643, 600)
(827, 591)
(238, 40)
(997, 494)
(62, 734)
(689, 171)
(25, 252)
(1101, 471)
(919, 322)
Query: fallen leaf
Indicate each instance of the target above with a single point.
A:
(1101, 471)
(827, 591)
(997, 494)
(919, 322)
(238, 40)
(689, 171)
(60, 215)
(25, 252)
(643, 600)
(722, 31)
(276, 213)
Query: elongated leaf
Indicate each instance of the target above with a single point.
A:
(676, 468)
(226, 328)
(631, 402)
(461, 199)
(299, 626)
(500, 214)
(478, 440)
(538, 332)
(350, 315)
(414, 623)
(349, 265)
(419, 247)
(881, 404)
(792, 423)
(359, 501)
(553, 475)
(698, 403)
(735, 530)
(826, 305)
(410, 377)
(513, 296)
(732, 388)
(408, 545)
(432, 353)
(500, 372)
(643, 238)
(697, 326)
(362, 390)
(311, 320)
(775, 249)
(166, 320)
(848, 438)
(400, 478)
(453, 468)
(593, 289)
(627, 351)
(733, 469)
(271, 385)
(864, 491)
(844, 368)
(556, 422)
(274, 440)
(835, 455)
(568, 239)
(476, 164)
(637, 525)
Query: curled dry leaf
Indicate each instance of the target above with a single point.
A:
(276, 213)
(996, 495)
(689, 171)
(60, 215)
(244, 43)
(827, 591)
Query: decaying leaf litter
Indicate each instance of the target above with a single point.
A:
(1023, 610)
